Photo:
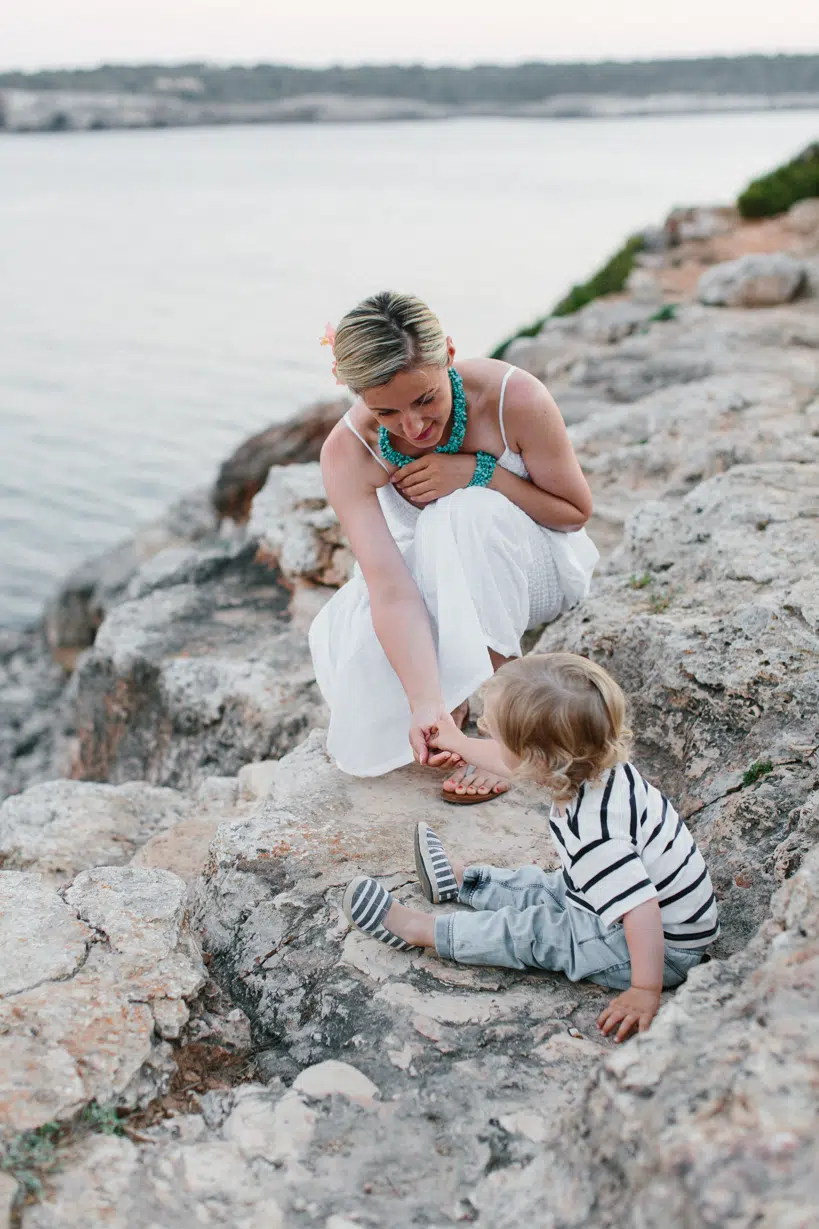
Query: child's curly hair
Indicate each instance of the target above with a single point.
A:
(562, 715)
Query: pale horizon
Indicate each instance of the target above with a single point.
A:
(44, 34)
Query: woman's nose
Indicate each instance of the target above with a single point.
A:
(414, 425)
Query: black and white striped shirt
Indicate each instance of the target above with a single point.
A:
(622, 844)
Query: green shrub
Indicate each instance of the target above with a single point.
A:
(776, 192)
(611, 279)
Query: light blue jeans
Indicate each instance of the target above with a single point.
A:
(523, 921)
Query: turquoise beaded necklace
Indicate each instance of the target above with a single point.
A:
(485, 463)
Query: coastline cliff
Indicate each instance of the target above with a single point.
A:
(189, 1030)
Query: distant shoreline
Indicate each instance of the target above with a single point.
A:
(36, 111)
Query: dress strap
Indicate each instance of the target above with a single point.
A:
(504, 382)
(348, 423)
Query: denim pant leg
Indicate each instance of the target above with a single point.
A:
(524, 922)
(490, 887)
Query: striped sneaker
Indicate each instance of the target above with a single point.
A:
(434, 871)
(365, 906)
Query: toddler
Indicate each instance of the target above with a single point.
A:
(632, 909)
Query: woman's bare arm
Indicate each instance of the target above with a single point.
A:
(558, 495)
(398, 611)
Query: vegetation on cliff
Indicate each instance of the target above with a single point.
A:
(777, 191)
(611, 279)
(767, 196)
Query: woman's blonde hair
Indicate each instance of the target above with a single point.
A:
(562, 715)
(385, 334)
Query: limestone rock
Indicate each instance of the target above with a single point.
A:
(332, 1078)
(41, 939)
(142, 914)
(298, 440)
(295, 525)
(256, 780)
(270, 913)
(76, 1019)
(701, 620)
(196, 676)
(752, 281)
(686, 1139)
(170, 1183)
(803, 217)
(32, 686)
(85, 596)
(645, 287)
(403, 1090)
(8, 1193)
(64, 827)
(699, 222)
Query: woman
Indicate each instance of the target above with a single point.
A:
(464, 506)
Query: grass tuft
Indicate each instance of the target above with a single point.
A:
(760, 768)
(32, 1155)
(611, 279)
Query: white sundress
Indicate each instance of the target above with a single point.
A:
(486, 572)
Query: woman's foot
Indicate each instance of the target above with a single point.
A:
(374, 911)
(440, 877)
(470, 782)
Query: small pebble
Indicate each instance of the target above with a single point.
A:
(575, 1032)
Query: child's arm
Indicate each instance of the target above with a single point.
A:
(484, 753)
(637, 1007)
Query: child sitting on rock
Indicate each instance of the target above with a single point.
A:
(632, 909)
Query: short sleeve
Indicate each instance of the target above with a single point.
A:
(606, 867)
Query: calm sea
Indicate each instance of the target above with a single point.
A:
(163, 292)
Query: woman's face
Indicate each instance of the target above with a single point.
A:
(415, 405)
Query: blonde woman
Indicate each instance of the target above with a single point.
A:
(464, 505)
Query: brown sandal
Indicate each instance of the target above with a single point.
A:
(469, 800)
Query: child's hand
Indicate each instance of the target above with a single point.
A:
(632, 1009)
(446, 736)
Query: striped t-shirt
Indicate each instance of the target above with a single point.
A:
(622, 844)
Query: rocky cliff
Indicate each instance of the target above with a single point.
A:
(190, 1034)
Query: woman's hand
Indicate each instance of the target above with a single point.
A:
(634, 1008)
(425, 721)
(431, 477)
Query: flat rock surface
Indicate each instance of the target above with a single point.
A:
(64, 827)
(40, 938)
(76, 997)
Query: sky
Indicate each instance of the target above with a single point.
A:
(54, 33)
